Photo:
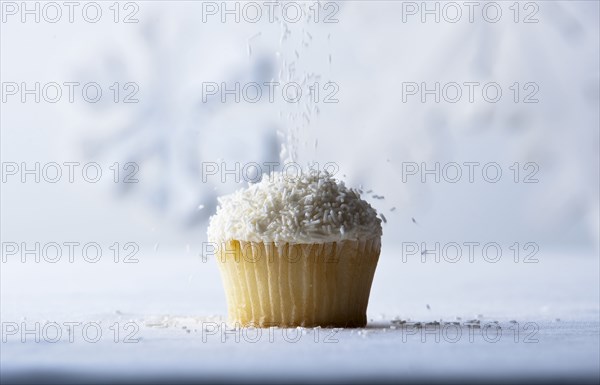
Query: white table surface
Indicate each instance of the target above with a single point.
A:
(175, 306)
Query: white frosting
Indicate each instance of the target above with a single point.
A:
(310, 208)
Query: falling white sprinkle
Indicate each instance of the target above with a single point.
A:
(250, 41)
(200, 207)
(156, 245)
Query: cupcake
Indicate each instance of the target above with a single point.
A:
(296, 251)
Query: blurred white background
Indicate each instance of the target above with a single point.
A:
(370, 52)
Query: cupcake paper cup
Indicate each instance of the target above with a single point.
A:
(289, 285)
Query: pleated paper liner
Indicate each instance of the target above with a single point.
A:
(289, 285)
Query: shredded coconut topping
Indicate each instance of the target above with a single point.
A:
(310, 208)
